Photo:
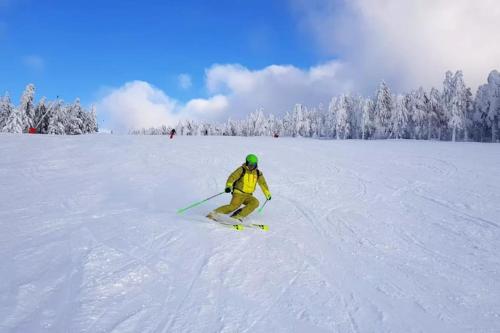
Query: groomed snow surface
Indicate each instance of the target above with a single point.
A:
(366, 236)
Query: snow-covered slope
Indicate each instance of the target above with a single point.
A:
(366, 236)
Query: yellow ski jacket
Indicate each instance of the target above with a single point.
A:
(244, 180)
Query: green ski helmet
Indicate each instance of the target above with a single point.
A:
(252, 160)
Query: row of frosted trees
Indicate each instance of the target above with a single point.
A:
(450, 114)
(46, 117)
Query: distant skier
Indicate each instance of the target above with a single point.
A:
(241, 183)
(172, 133)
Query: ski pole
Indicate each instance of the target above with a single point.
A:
(198, 203)
(261, 208)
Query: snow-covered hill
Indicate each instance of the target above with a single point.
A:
(366, 236)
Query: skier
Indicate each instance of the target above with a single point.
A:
(241, 183)
(172, 133)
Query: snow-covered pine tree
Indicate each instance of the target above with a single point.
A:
(6, 108)
(309, 125)
(211, 129)
(342, 118)
(436, 118)
(419, 113)
(27, 106)
(299, 121)
(57, 118)
(331, 118)
(479, 120)
(202, 129)
(494, 110)
(14, 119)
(277, 127)
(256, 121)
(455, 100)
(320, 121)
(461, 101)
(287, 124)
(367, 120)
(305, 127)
(315, 121)
(241, 127)
(245, 127)
(488, 103)
(41, 119)
(455, 119)
(233, 127)
(383, 111)
(179, 129)
(409, 99)
(90, 123)
(355, 115)
(219, 129)
(74, 118)
(469, 113)
(230, 127)
(399, 121)
(448, 96)
(188, 128)
(269, 125)
(193, 127)
(162, 129)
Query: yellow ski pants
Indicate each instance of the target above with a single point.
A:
(249, 201)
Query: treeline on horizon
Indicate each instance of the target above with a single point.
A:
(452, 113)
(45, 117)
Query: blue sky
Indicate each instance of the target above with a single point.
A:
(74, 48)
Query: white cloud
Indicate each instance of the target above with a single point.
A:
(276, 88)
(136, 104)
(407, 43)
(234, 91)
(184, 81)
(34, 62)
(206, 108)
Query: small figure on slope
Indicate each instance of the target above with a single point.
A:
(172, 133)
(241, 183)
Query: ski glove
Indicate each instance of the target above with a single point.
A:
(227, 190)
(268, 197)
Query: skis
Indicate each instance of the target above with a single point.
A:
(236, 224)
(264, 227)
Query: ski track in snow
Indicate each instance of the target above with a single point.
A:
(366, 236)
